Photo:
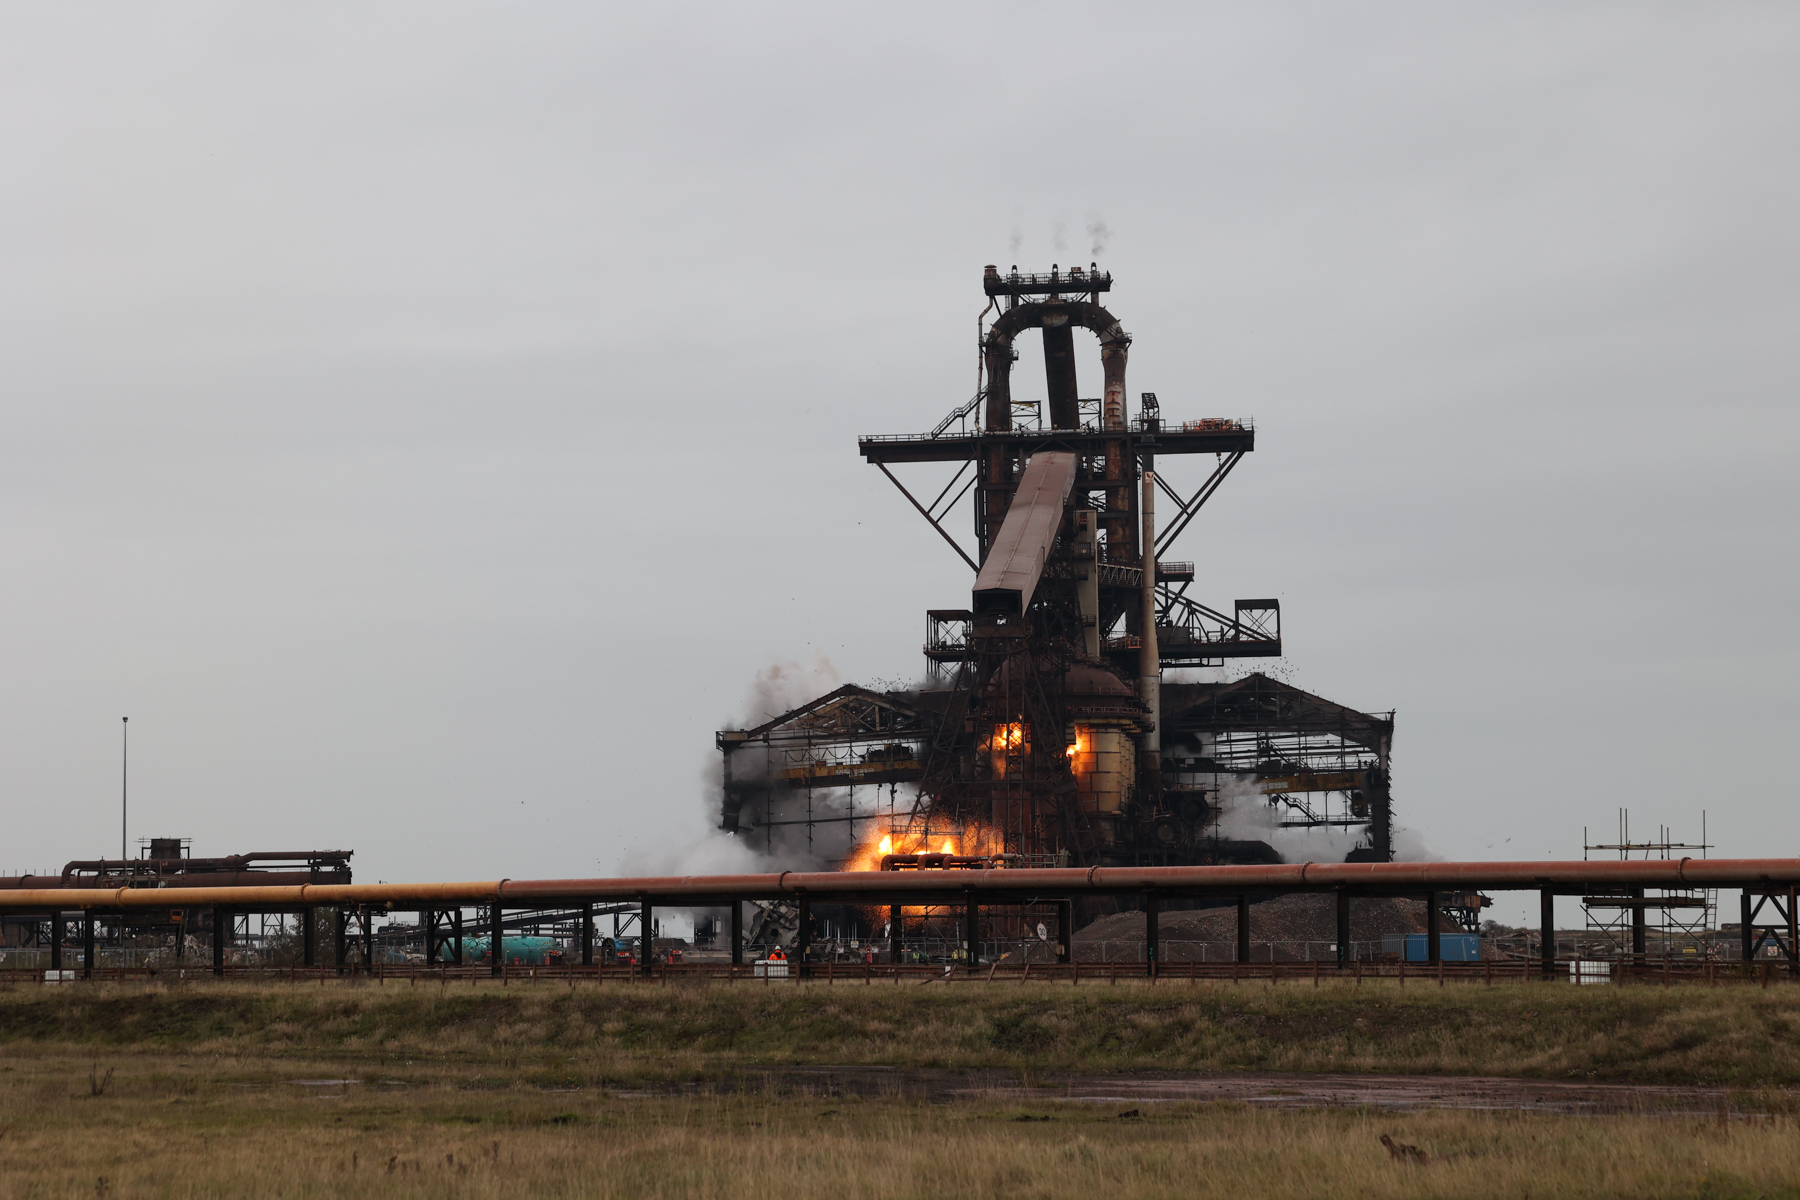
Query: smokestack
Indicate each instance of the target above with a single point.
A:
(1149, 661)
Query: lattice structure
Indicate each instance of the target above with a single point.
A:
(1625, 921)
(1044, 727)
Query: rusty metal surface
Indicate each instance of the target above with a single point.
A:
(1009, 575)
(995, 885)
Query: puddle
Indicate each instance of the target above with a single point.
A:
(1388, 1092)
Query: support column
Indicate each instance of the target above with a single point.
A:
(646, 935)
(87, 943)
(1547, 921)
(1639, 932)
(737, 933)
(1793, 924)
(456, 933)
(1086, 553)
(368, 941)
(1059, 368)
(56, 940)
(896, 930)
(309, 936)
(1065, 920)
(428, 927)
(1343, 927)
(1745, 937)
(1434, 949)
(496, 940)
(1243, 929)
(341, 949)
(221, 927)
(1152, 943)
(1149, 659)
(1381, 815)
(802, 939)
(587, 934)
(972, 932)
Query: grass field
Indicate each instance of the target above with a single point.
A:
(242, 1090)
(230, 1128)
(1732, 1036)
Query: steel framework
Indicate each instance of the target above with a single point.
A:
(1044, 726)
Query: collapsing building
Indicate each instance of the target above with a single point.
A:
(1044, 731)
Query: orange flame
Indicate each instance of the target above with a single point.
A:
(879, 843)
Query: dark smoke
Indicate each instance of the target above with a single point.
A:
(1098, 234)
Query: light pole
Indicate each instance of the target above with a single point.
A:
(124, 781)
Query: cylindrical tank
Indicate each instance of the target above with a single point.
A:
(515, 951)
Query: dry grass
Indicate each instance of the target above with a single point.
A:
(1732, 1036)
(201, 1127)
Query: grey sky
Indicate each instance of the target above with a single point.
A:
(425, 420)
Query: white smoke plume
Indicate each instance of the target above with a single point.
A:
(1248, 816)
(1409, 846)
(778, 688)
(700, 847)
(782, 686)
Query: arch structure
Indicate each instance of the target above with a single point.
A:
(1057, 304)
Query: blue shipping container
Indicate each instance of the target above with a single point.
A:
(1453, 947)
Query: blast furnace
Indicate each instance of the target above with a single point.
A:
(1044, 731)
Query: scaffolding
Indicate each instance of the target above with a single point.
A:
(1624, 920)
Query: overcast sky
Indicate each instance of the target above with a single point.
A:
(425, 421)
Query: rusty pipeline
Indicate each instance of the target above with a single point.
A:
(995, 884)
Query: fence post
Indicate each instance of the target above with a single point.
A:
(1150, 935)
(1343, 928)
(972, 931)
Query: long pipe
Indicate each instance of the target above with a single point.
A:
(1149, 658)
(212, 881)
(996, 882)
(204, 864)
